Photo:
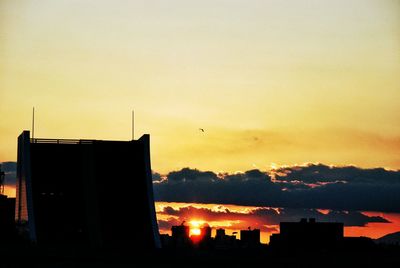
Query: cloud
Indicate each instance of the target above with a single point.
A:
(314, 173)
(262, 217)
(187, 174)
(310, 186)
(317, 186)
(168, 223)
(10, 170)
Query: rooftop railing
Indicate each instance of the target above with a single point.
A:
(61, 141)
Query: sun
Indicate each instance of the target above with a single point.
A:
(195, 227)
(195, 231)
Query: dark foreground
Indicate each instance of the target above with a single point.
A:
(31, 256)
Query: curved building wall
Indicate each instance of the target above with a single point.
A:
(89, 192)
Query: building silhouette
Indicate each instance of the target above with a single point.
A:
(180, 236)
(205, 232)
(250, 238)
(224, 241)
(308, 233)
(220, 233)
(85, 192)
(204, 239)
(7, 209)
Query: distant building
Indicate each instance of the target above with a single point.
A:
(223, 241)
(308, 234)
(220, 233)
(250, 238)
(203, 240)
(361, 243)
(7, 223)
(205, 232)
(180, 231)
(166, 241)
(86, 192)
(180, 236)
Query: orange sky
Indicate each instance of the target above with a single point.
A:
(373, 230)
(376, 230)
(280, 82)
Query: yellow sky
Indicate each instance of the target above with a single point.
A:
(270, 81)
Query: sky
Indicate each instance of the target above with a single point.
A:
(270, 82)
(279, 87)
(234, 218)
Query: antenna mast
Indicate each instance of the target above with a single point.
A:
(33, 123)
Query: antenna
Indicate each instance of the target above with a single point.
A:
(133, 124)
(33, 123)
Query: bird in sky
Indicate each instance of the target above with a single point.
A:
(202, 130)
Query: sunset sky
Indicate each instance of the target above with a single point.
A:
(272, 83)
(280, 82)
(234, 218)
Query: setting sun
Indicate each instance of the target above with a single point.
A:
(195, 231)
(195, 227)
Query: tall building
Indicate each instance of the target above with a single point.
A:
(89, 192)
(205, 232)
(180, 236)
(220, 233)
(250, 238)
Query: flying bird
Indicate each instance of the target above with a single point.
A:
(202, 130)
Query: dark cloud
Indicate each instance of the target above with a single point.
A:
(187, 174)
(156, 177)
(10, 170)
(264, 218)
(311, 186)
(315, 173)
(167, 224)
(244, 188)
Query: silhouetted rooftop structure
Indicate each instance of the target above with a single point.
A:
(84, 192)
(250, 238)
(180, 236)
(308, 233)
(220, 233)
(224, 241)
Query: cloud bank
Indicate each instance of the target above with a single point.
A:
(310, 186)
(10, 170)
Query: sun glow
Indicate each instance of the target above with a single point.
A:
(195, 226)
(195, 231)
